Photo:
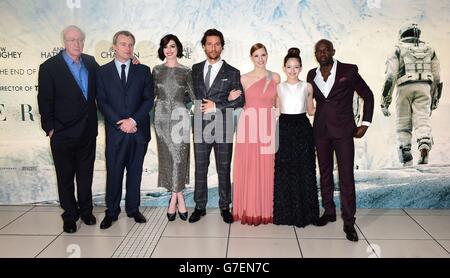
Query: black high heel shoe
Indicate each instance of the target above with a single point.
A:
(183, 215)
(171, 216)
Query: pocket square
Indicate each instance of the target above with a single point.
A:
(224, 79)
(343, 79)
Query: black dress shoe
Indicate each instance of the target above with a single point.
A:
(138, 217)
(89, 219)
(70, 226)
(107, 222)
(226, 216)
(324, 219)
(196, 215)
(350, 233)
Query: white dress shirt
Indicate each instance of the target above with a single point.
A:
(325, 86)
(214, 70)
(119, 67)
(119, 70)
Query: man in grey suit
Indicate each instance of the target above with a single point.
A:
(214, 80)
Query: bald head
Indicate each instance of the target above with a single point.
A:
(324, 52)
(326, 42)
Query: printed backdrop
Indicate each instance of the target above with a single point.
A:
(364, 32)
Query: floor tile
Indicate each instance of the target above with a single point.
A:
(390, 227)
(47, 208)
(121, 227)
(35, 223)
(52, 208)
(436, 225)
(401, 248)
(445, 244)
(331, 230)
(143, 238)
(101, 209)
(263, 248)
(361, 212)
(192, 247)
(334, 248)
(81, 247)
(15, 208)
(210, 225)
(262, 231)
(6, 217)
(12, 246)
(428, 211)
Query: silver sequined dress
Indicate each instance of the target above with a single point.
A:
(173, 86)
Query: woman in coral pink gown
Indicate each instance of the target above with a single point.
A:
(254, 154)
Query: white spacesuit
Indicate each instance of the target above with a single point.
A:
(414, 68)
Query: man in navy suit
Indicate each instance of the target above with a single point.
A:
(125, 98)
(214, 80)
(334, 84)
(66, 99)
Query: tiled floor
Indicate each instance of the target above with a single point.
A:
(36, 231)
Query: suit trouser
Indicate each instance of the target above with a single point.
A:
(128, 154)
(222, 153)
(345, 152)
(74, 158)
(413, 108)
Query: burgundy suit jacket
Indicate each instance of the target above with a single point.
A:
(334, 114)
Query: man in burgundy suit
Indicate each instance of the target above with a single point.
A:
(334, 84)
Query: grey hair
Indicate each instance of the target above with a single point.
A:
(64, 31)
(123, 33)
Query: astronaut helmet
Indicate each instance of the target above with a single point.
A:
(409, 31)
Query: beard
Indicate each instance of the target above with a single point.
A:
(213, 55)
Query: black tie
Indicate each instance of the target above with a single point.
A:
(123, 78)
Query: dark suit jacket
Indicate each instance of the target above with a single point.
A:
(228, 78)
(62, 105)
(117, 103)
(334, 114)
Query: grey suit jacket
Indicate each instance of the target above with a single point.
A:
(228, 79)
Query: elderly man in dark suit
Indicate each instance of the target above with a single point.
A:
(125, 97)
(334, 84)
(214, 80)
(66, 100)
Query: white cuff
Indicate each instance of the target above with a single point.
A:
(366, 123)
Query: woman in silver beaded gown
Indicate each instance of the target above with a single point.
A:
(173, 88)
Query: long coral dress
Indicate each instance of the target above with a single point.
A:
(254, 156)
